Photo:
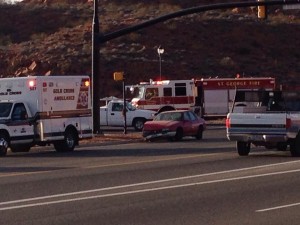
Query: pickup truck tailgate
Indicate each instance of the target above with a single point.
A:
(256, 126)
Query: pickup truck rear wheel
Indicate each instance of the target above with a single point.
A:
(295, 146)
(3, 144)
(243, 148)
(138, 124)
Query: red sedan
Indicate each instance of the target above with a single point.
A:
(174, 125)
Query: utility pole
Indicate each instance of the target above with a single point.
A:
(95, 71)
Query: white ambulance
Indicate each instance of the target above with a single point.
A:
(39, 110)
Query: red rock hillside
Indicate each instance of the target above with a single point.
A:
(44, 37)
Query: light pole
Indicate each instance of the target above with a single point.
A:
(160, 51)
(95, 70)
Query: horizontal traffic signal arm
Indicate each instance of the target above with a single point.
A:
(107, 37)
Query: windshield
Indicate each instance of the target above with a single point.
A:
(5, 109)
(140, 92)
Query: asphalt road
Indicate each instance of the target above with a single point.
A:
(141, 183)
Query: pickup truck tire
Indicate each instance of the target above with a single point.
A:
(243, 148)
(295, 146)
(69, 142)
(138, 124)
(3, 144)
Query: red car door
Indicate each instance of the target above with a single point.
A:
(188, 125)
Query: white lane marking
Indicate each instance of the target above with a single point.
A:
(144, 183)
(278, 207)
(127, 192)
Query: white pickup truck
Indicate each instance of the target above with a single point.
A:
(265, 118)
(112, 115)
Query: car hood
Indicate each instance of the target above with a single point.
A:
(157, 125)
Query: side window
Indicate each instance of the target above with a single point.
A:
(186, 116)
(167, 91)
(151, 92)
(117, 107)
(19, 112)
(192, 116)
(180, 89)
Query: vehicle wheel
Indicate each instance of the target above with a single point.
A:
(20, 148)
(243, 148)
(3, 144)
(138, 124)
(69, 142)
(179, 134)
(295, 146)
(199, 134)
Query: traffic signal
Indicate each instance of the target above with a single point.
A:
(118, 76)
(261, 11)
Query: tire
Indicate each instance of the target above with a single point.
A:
(4, 140)
(138, 124)
(179, 134)
(295, 146)
(243, 148)
(199, 134)
(69, 142)
(20, 148)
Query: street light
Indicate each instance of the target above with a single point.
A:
(160, 51)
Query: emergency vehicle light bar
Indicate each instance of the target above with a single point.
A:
(32, 83)
(163, 82)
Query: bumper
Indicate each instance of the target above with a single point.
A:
(159, 135)
(258, 137)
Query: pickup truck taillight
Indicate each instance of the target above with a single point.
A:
(288, 123)
(227, 123)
